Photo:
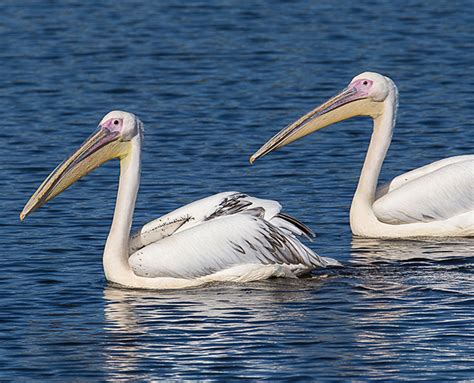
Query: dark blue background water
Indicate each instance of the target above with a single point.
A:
(212, 81)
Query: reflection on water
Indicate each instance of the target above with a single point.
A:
(201, 331)
(212, 80)
(368, 250)
(374, 319)
(412, 306)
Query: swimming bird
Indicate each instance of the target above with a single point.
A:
(436, 200)
(225, 237)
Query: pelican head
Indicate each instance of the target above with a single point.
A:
(364, 96)
(111, 140)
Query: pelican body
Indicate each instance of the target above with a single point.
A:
(225, 237)
(436, 200)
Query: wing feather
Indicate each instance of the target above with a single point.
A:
(412, 175)
(443, 193)
(222, 243)
(292, 226)
(217, 205)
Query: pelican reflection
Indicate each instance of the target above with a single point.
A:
(190, 328)
(369, 250)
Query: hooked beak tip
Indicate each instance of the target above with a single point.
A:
(22, 216)
(252, 160)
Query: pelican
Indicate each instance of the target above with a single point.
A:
(436, 200)
(225, 237)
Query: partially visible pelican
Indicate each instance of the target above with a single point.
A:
(434, 200)
(225, 237)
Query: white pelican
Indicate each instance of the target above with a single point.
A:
(435, 200)
(225, 237)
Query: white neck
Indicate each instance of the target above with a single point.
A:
(361, 209)
(115, 259)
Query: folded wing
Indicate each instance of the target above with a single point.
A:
(218, 233)
(197, 212)
(437, 195)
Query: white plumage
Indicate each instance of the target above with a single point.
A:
(225, 237)
(440, 191)
(435, 200)
(218, 233)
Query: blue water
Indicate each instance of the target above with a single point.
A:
(212, 81)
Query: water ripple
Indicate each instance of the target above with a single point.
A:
(212, 81)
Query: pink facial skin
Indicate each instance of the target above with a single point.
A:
(110, 129)
(362, 87)
(113, 125)
(354, 91)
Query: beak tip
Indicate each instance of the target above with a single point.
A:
(24, 213)
(252, 160)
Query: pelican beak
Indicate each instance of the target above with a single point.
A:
(348, 103)
(101, 146)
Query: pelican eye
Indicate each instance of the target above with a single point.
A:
(116, 122)
(365, 82)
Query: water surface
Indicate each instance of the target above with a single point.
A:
(212, 81)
